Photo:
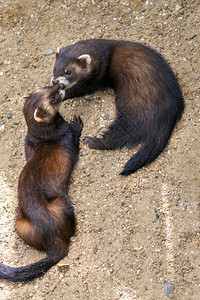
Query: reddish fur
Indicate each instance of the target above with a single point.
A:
(28, 233)
(45, 218)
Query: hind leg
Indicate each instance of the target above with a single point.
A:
(28, 233)
(122, 132)
(62, 212)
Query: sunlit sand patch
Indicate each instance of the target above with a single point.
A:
(169, 231)
(7, 218)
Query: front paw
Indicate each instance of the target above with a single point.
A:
(77, 124)
(94, 143)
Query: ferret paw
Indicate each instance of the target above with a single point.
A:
(77, 124)
(94, 143)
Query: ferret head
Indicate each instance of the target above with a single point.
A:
(69, 70)
(42, 105)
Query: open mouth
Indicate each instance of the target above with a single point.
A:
(62, 80)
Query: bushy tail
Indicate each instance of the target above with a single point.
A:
(31, 271)
(149, 151)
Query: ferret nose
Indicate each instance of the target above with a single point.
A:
(55, 81)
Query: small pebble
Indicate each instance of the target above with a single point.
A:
(107, 117)
(2, 128)
(96, 250)
(48, 52)
(9, 115)
(169, 288)
(192, 36)
(178, 7)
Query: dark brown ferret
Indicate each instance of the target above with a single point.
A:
(148, 97)
(45, 218)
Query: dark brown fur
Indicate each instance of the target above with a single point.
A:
(45, 218)
(148, 97)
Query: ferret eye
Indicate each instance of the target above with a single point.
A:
(53, 99)
(68, 72)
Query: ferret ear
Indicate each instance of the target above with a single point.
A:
(58, 51)
(85, 60)
(41, 115)
(26, 97)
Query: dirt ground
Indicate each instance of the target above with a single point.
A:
(137, 236)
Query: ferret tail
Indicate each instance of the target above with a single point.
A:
(29, 272)
(147, 153)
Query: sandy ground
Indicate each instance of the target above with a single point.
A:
(137, 236)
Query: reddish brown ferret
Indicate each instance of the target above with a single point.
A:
(45, 218)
